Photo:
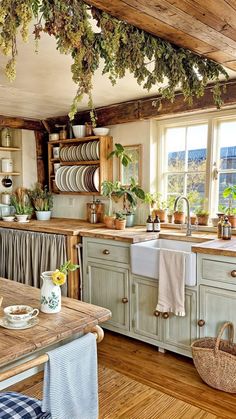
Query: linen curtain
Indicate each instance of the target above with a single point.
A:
(24, 255)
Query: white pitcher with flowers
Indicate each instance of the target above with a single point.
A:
(50, 295)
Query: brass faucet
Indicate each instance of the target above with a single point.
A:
(178, 199)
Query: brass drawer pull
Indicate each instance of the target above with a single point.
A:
(233, 273)
(201, 323)
(106, 252)
(157, 313)
(125, 300)
(165, 315)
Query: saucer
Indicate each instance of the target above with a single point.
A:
(27, 221)
(8, 325)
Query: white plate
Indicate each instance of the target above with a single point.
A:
(26, 221)
(7, 325)
(59, 173)
(88, 151)
(82, 179)
(70, 178)
(63, 178)
(93, 150)
(97, 150)
(78, 179)
(73, 153)
(83, 153)
(78, 154)
(96, 179)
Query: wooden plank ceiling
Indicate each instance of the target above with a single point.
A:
(207, 27)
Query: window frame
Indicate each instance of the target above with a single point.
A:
(213, 120)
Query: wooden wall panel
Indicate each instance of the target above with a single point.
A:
(42, 157)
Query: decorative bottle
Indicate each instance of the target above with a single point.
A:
(226, 229)
(157, 224)
(149, 224)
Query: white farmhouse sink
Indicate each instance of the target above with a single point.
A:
(145, 258)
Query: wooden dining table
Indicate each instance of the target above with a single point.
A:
(75, 317)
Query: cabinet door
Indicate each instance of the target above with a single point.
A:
(144, 301)
(108, 287)
(217, 306)
(181, 331)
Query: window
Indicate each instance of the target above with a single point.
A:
(198, 156)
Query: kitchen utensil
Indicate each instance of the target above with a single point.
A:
(6, 137)
(6, 182)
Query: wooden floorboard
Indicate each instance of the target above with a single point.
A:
(138, 382)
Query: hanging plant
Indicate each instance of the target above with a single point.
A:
(122, 47)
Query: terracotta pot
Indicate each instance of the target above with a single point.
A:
(120, 224)
(179, 217)
(202, 220)
(232, 220)
(109, 221)
(161, 214)
(193, 219)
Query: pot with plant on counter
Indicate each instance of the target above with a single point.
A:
(230, 210)
(21, 202)
(202, 213)
(42, 202)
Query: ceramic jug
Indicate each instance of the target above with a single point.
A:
(50, 295)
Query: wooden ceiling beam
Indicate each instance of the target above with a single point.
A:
(21, 123)
(147, 108)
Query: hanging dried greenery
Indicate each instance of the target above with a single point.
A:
(122, 47)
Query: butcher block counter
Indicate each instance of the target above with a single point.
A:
(217, 247)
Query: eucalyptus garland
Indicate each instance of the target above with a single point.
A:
(122, 47)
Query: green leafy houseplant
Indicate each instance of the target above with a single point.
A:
(230, 192)
(202, 214)
(121, 46)
(130, 195)
(120, 153)
(41, 198)
(109, 189)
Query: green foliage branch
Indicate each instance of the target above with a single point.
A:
(122, 47)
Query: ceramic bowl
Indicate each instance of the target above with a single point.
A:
(9, 218)
(101, 131)
(19, 315)
(79, 131)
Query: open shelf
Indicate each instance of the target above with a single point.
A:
(10, 148)
(9, 174)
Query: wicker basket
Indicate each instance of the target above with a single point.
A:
(215, 360)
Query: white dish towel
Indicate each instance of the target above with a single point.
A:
(171, 282)
(70, 380)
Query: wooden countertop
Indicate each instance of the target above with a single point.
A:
(75, 316)
(217, 247)
(67, 226)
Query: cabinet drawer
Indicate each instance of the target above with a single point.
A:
(218, 271)
(106, 251)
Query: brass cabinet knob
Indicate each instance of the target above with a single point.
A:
(233, 273)
(157, 313)
(165, 315)
(125, 300)
(201, 323)
(106, 252)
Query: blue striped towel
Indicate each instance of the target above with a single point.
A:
(70, 380)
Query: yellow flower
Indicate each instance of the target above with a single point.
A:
(58, 278)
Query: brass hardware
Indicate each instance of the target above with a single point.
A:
(233, 273)
(157, 313)
(125, 300)
(106, 252)
(165, 315)
(201, 323)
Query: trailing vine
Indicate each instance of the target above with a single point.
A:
(121, 46)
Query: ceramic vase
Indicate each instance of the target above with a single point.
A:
(50, 295)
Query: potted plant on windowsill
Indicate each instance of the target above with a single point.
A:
(42, 202)
(194, 199)
(161, 208)
(179, 215)
(230, 192)
(21, 202)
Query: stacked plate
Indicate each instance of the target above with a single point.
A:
(82, 152)
(77, 179)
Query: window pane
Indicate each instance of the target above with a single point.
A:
(227, 140)
(226, 179)
(197, 147)
(196, 188)
(175, 146)
(175, 184)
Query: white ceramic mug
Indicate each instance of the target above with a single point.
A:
(56, 152)
(56, 166)
(19, 315)
(6, 198)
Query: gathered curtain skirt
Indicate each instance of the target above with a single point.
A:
(24, 255)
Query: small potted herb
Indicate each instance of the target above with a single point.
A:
(109, 189)
(21, 202)
(120, 220)
(42, 202)
(202, 214)
(179, 215)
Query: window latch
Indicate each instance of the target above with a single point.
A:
(215, 172)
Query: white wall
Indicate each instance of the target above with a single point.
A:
(126, 134)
